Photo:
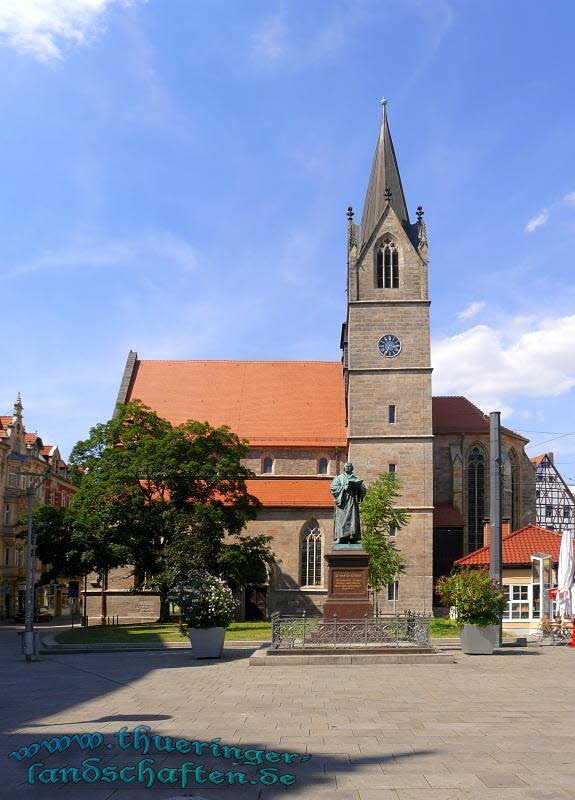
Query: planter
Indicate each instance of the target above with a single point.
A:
(479, 640)
(207, 642)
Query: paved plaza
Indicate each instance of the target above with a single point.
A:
(483, 727)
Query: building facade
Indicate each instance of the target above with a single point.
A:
(530, 558)
(24, 461)
(554, 500)
(304, 420)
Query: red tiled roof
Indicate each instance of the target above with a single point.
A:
(5, 422)
(538, 459)
(459, 415)
(47, 449)
(445, 516)
(301, 493)
(295, 403)
(518, 547)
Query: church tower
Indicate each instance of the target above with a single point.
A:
(387, 368)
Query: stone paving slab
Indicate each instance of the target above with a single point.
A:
(489, 728)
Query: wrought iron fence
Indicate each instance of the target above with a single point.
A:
(409, 628)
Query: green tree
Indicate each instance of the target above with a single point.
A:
(378, 514)
(150, 493)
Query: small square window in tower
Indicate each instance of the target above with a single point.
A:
(322, 466)
(391, 468)
(391, 416)
(393, 590)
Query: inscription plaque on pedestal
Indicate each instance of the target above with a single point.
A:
(347, 592)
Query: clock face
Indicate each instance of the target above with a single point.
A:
(389, 345)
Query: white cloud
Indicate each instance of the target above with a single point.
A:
(542, 218)
(537, 221)
(43, 28)
(85, 252)
(492, 366)
(471, 310)
(269, 42)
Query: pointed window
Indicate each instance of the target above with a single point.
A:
(514, 489)
(475, 498)
(387, 266)
(310, 572)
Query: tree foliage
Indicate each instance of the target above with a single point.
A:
(476, 596)
(378, 514)
(153, 495)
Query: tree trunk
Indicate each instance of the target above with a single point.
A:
(103, 597)
(164, 608)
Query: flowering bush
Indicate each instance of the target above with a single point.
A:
(204, 601)
(477, 597)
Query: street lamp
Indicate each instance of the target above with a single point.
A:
(29, 635)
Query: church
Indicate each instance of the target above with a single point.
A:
(305, 419)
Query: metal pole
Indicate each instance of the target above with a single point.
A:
(29, 611)
(495, 502)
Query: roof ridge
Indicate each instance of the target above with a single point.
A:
(235, 361)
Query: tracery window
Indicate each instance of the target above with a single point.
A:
(311, 557)
(514, 490)
(475, 498)
(387, 266)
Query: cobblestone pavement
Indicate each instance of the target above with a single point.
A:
(484, 727)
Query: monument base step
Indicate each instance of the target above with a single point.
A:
(265, 657)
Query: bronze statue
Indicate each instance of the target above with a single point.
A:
(348, 492)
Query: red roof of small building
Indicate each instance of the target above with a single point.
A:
(518, 547)
(538, 459)
(292, 403)
(293, 492)
(445, 516)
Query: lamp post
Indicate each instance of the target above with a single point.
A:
(29, 634)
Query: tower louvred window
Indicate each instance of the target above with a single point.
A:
(387, 266)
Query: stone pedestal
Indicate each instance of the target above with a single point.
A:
(347, 594)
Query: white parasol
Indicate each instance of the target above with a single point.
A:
(565, 573)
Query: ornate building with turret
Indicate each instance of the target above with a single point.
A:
(374, 407)
(26, 461)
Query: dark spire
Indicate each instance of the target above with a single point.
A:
(384, 184)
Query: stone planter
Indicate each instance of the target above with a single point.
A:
(479, 640)
(207, 642)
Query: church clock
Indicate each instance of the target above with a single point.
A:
(389, 345)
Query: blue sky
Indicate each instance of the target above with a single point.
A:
(175, 178)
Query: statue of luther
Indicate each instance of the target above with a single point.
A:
(348, 492)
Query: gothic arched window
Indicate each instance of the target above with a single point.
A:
(322, 466)
(311, 557)
(514, 490)
(475, 498)
(387, 266)
(267, 466)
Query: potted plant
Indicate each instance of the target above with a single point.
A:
(480, 603)
(207, 607)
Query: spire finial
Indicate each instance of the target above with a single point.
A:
(387, 194)
(419, 213)
(383, 102)
(350, 228)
